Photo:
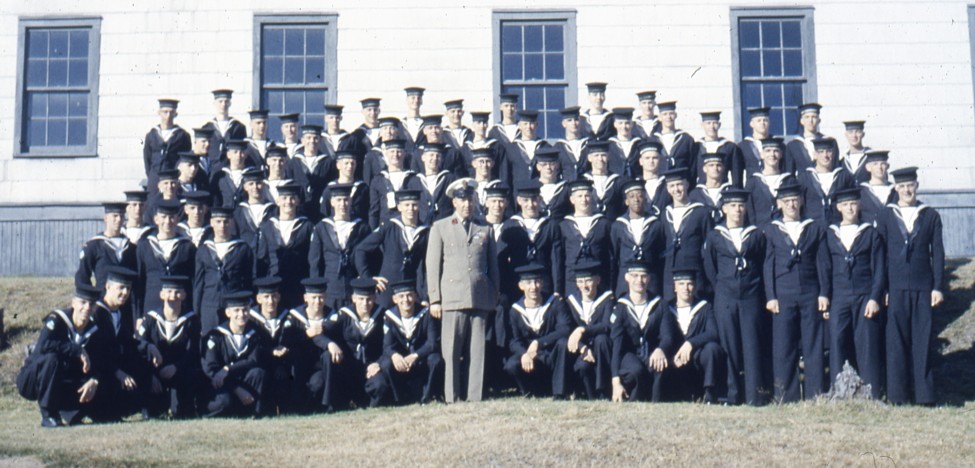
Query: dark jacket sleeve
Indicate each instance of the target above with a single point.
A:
(562, 328)
(823, 265)
(617, 338)
(769, 268)
(937, 255)
(364, 250)
(432, 343)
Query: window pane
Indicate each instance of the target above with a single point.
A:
(791, 119)
(294, 70)
(37, 43)
(294, 42)
(57, 132)
(772, 94)
(510, 38)
(748, 34)
(57, 73)
(294, 101)
(776, 122)
(59, 43)
(555, 98)
(77, 72)
(273, 71)
(533, 38)
(751, 95)
(534, 98)
(511, 67)
(553, 125)
(79, 44)
(792, 95)
(77, 132)
(37, 106)
(533, 67)
(273, 41)
(78, 104)
(58, 105)
(315, 42)
(553, 38)
(315, 70)
(751, 63)
(792, 61)
(274, 102)
(770, 34)
(554, 67)
(791, 34)
(37, 133)
(772, 63)
(36, 73)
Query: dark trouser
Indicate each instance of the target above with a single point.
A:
(743, 329)
(594, 376)
(496, 380)
(909, 331)
(281, 392)
(798, 330)
(706, 370)
(54, 385)
(328, 384)
(857, 340)
(420, 384)
(225, 402)
(640, 381)
(548, 376)
(178, 395)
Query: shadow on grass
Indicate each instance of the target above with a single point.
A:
(954, 362)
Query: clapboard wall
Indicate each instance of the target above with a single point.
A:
(904, 66)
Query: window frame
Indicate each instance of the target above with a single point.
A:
(971, 41)
(568, 18)
(807, 30)
(94, 23)
(327, 19)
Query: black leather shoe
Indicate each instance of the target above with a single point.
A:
(50, 422)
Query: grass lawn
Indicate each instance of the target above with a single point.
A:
(518, 431)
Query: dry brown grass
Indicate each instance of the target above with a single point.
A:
(516, 431)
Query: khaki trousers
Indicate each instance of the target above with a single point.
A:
(462, 345)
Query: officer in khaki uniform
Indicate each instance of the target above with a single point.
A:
(462, 281)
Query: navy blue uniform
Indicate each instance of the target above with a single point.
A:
(915, 267)
(734, 161)
(682, 153)
(178, 342)
(154, 262)
(332, 258)
(287, 260)
(761, 196)
(160, 154)
(52, 373)
(248, 225)
(871, 206)
(644, 240)
(796, 274)
(419, 335)
(362, 345)
(593, 317)
(519, 165)
(119, 332)
(218, 141)
(220, 269)
(819, 204)
(683, 246)
(739, 308)
(312, 173)
(542, 244)
(245, 359)
(608, 193)
(282, 390)
(706, 369)
(634, 337)
(858, 276)
(101, 253)
(751, 155)
(573, 158)
(358, 198)
(549, 325)
(382, 193)
(396, 253)
(595, 245)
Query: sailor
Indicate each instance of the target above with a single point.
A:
(333, 243)
(411, 360)
(224, 264)
(235, 361)
(589, 346)
(105, 250)
(283, 244)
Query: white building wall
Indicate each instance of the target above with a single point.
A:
(905, 67)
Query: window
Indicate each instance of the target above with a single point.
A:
(57, 87)
(295, 72)
(535, 58)
(774, 64)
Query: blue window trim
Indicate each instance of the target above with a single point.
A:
(94, 55)
(805, 14)
(565, 16)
